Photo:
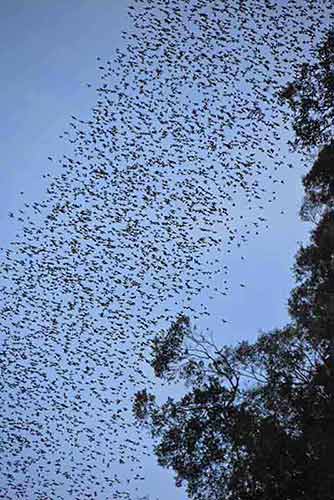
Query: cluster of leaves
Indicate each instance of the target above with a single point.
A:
(311, 97)
(319, 186)
(257, 421)
(169, 348)
(312, 301)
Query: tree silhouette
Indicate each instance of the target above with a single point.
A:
(319, 186)
(310, 97)
(255, 422)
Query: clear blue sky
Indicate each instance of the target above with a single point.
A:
(48, 54)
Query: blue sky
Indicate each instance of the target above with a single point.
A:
(49, 52)
(48, 55)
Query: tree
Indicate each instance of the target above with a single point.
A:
(245, 428)
(311, 98)
(319, 186)
(311, 302)
(257, 420)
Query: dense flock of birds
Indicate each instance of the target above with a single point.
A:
(184, 150)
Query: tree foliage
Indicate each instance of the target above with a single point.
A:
(254, 423)
(311, 97)
(311, 302)
(319, 186)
